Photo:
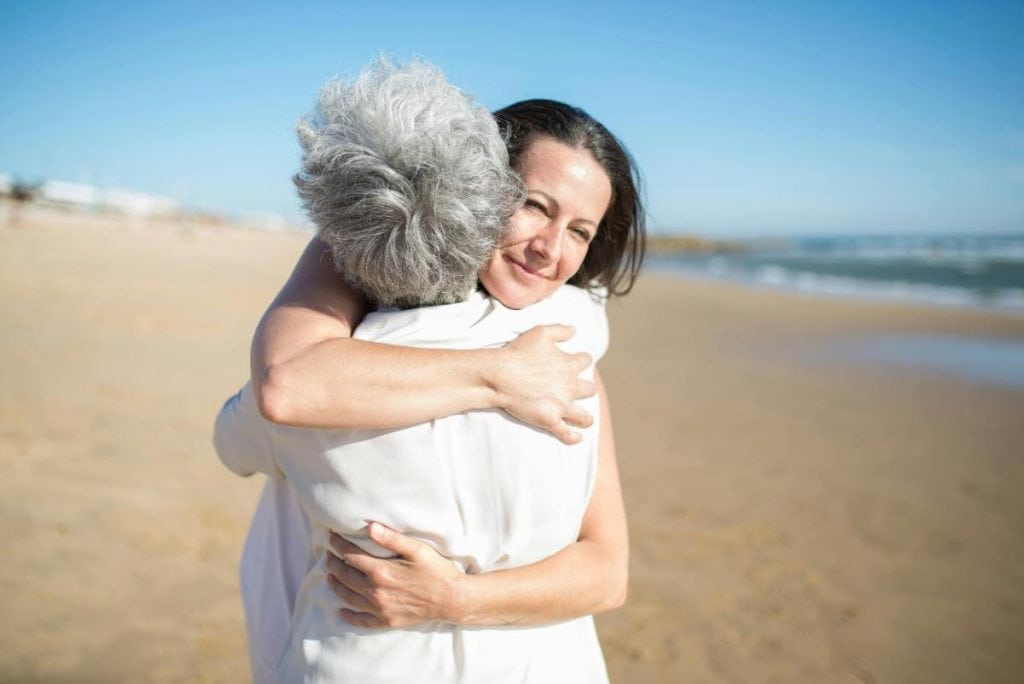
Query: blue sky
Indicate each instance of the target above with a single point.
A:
(746, 118)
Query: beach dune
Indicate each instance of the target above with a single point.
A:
(798, 513)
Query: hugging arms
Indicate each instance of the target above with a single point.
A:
(320, 376)
(308, 371)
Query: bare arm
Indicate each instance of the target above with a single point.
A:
(307, 370)
(587, 577)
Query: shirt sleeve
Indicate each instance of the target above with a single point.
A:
(243, 438)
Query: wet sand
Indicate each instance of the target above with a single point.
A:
(796, 515)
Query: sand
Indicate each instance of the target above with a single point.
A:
(795, 516)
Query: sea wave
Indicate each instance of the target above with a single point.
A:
(961, 250)
(960, 289)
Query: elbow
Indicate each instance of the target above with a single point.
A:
(274, 397)
(619, 593)
(617, 590)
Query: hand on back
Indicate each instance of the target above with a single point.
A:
(539, 384)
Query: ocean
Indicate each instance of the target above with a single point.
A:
(985, 271)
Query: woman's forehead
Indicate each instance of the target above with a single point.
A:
(569, 175)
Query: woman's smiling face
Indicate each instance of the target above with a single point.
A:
(567, 195)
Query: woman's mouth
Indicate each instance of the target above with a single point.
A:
(526, 270)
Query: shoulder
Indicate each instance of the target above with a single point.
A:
(585, 311)
(576, 299)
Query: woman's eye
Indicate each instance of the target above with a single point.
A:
(582, 233)
(534, 204)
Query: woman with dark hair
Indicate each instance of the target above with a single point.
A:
(616, 252)
(580, 220)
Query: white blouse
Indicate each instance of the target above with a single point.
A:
(484, 489)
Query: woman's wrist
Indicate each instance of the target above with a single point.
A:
(494, 370)
(468, 604)
(454, 611)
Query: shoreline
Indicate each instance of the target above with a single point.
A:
(849, 289)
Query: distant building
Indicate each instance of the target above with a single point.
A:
(69, 194)
(136, 203)
(120, 200)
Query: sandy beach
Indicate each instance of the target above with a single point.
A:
(797, 514)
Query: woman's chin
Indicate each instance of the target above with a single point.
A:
(515, 304)
(513, 300)
(513, 293)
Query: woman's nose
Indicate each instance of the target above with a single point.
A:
(547, 242)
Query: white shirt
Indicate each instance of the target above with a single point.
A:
(485, 490)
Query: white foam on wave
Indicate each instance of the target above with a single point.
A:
(969, 252)
(1008, 300)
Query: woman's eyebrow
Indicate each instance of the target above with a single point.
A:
(549, 198)
(556, 206)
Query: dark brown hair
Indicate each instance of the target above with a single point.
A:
(614, 257)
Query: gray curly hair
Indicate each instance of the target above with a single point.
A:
(408, 182)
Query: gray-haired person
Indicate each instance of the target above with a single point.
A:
(485, 491)
(408, 182)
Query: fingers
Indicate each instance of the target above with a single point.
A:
(354, 600)
(585, 389)
(342, 546)
(360, 619)
(577, 417)
(567, 435)
(582, 360)
(559, 332)
(358, 557)
(351, 555)
(394, 541)
(353, 578)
